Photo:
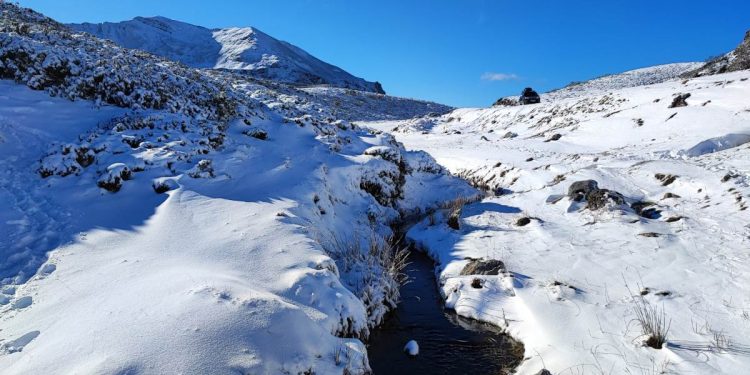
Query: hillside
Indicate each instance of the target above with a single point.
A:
(632, 78)
(737, 59)
(158, 218)
(663, 230)
(238, 48)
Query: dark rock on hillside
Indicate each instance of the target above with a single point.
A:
(739, 59)
(599, 198)
(680, 101)
(579, 189)
(483, 267)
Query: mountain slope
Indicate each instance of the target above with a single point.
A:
(156, 218)
(632, 78)
(671, 233)
(738, 59)
(247, 49)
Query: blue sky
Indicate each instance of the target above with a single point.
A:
(462, 53)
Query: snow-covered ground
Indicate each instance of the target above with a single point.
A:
(632, 78)
(156, 218)
(161, 219)
(575, 275)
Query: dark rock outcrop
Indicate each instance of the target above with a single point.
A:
(599, 198)
(680, 101)
(579, 189)
(483, 267)
(739, 59)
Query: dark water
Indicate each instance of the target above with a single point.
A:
(448, 344)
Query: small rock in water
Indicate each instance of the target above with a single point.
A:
(411, 348)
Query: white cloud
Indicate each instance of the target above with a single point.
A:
(489, 76)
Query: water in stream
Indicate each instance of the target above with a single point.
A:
(448, 343)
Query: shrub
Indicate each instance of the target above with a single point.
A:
(653, 322)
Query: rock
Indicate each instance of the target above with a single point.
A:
(411, 348)
(543, 371)
(599, 198)
(510, 135)
(679, 101)
(554, 137)
(670, 195)
(523, 221)
(453, 220)
(476, 283)
(644, 209)
(505, 102)
(665, 179)
(579, 189)
(649, 234)
(483, 267)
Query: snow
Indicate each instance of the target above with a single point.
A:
(152, 230)
(236, 48)
(156, 218)
(718, 144)
(411, 348)
(574, 275)
(632, 78)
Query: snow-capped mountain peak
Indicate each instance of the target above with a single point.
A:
(236, 48)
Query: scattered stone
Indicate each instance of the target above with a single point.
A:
(476, 283)
(670, 195)
(523, 221)
(673, 219)
(529, 159)
(579, 189)
(665, 179)
(644, 209)
(680, 101)
(483, 267)
(554, 137)
(510, 135)
(599, 198)
(649, 234)
(256, 133)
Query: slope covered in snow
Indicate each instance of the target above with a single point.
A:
(632, 78)
(246, 49)
(668, 236)
(156, 218)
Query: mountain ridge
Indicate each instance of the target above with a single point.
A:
(246, 49)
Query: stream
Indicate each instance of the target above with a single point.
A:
(448, 343)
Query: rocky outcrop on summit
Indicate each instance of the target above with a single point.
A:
(739, 59)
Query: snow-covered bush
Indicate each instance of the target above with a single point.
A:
(204, 169)
(112, 179)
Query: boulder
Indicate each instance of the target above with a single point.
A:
(580, 189)
(599, 198)
(483, 267)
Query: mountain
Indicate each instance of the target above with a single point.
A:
(246, 49)
(738, 59)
